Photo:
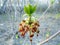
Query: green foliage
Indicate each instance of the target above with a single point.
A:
(48, 34)
(52, 1)
(27, 44)
(21, 41)
(58, 43)
(57, 16)
(29, 9)
(16, 36)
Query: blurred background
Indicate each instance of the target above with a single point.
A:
(11, 14)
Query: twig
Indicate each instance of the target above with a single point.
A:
(50, 38)
(46, 10)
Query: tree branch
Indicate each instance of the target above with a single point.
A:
(50, 38)
(46, 11)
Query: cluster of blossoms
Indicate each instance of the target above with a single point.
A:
(30, 28)
(29, 25)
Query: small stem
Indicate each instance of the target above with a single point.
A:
(30, 20)
(31, 43)
(30, 23)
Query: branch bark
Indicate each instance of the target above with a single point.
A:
(50, 38)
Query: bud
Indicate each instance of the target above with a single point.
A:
(31, 35)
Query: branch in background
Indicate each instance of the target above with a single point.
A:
(46, 11)
(50, 38)
(2, 9)
(4, 4)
